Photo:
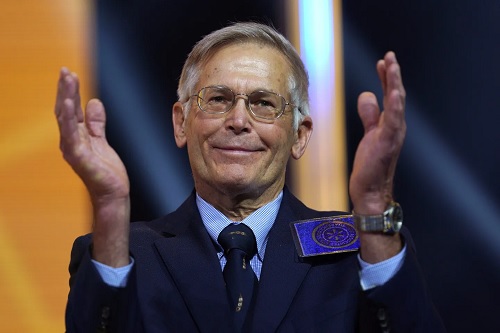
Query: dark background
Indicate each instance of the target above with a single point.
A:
(448, 179)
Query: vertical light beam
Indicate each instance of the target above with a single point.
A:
(319, 177)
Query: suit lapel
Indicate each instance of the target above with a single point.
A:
(191, 259)
(282, 273)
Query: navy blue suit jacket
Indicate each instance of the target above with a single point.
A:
(176, 285)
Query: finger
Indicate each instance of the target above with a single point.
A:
(394, 79)
(74, 90)
(394, 100)
(394, 114)
(61, 90)
(68, 87)
(381, 71)
(68, 125)
(71, 143)
(95, 118)
(368, 110)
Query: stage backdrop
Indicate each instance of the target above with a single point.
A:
(43, 206)
(448, 180)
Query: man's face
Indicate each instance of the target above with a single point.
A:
(235, 154)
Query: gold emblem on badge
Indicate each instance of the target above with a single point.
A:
(334, 234)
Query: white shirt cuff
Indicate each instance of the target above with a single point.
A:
(114, 277)
(374, 275)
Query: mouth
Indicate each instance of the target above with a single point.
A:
(243, 148)
(236, 149)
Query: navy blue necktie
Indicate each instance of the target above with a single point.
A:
(238, 242)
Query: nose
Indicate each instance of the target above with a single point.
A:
(238, 118)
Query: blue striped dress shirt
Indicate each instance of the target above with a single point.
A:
(260, 221)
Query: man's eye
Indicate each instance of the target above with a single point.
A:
(217, 99)
(261, 103)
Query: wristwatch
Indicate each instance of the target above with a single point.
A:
(389, 222)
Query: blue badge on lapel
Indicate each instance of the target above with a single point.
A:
(326, 235)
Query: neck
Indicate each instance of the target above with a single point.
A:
(238, 206)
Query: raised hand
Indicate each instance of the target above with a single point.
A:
(85, 148)
(371, 181)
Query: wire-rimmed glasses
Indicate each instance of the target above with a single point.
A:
(262, 104)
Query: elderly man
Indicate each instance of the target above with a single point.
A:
(242, 112)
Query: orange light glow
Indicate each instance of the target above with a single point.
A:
(43, 205)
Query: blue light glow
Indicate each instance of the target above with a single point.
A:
(317, 52)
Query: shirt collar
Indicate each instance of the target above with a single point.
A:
(260, 221)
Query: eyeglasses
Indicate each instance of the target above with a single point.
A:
(261, 103)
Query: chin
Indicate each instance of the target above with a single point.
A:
(237, 186)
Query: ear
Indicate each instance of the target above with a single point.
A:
(304, 132)
(179, 122)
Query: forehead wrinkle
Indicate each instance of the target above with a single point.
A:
(246, 73)
(246, 78)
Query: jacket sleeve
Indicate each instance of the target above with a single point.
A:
(93, 306)
(403, 304)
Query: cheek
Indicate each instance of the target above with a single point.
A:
(197, 133)
(285, 136)
(194, 144)
(281, 142)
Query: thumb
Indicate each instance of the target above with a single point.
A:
(95, 118)
(368, 110)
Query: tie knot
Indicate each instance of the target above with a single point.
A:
(238, 236)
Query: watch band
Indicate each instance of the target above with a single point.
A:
(389, 222)
(370, 223)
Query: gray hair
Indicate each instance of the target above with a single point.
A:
(246, 32)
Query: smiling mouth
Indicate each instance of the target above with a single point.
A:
(236, 150)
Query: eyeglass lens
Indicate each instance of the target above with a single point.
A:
(262, 104)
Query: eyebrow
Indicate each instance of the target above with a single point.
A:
(238, 92)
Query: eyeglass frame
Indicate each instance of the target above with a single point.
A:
(247, 102)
